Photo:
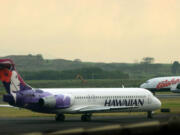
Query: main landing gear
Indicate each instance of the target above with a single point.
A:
(60, 117)
(86, 117)
(149, 115)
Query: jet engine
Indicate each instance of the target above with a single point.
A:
(176, 88)
(56, 101)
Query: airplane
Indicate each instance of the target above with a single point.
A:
(83, 101)
(161, 84)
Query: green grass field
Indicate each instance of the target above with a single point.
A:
(78, 83)
(173, 104)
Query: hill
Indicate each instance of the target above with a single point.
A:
(36, 63)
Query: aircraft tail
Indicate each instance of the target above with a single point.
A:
(10, 78)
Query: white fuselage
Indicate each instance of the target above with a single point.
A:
(141, 99)
(162, 83)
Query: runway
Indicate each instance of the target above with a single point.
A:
(172, 95)
(47, 124)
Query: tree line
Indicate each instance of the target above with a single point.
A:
(145, 69)
(35, 67)
(86, 73)
(175, 69)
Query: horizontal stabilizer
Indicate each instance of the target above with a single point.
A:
(6, 105)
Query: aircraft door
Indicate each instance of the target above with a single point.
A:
(91, 99)
(94, 98)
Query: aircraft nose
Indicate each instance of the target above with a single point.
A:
(157, 103)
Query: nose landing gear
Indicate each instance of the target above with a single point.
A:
(60, 117)
(86, 117)
(149, 115)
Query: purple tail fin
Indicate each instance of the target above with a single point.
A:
(10, 78)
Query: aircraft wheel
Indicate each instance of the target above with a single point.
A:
(60, 117)
(149, 115)
(86, 117)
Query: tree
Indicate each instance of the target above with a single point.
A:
(77, 60)
(175, 67)
(148, 60)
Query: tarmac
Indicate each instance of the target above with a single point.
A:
(173, 95)
(14, 126)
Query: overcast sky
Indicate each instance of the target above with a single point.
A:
(92, 30)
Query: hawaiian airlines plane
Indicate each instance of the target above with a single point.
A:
(85, 101)
(163, 84)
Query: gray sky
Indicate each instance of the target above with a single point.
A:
(92, 30)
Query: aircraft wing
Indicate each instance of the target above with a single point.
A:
(89, 109)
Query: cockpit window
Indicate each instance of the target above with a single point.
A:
(147, 82)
